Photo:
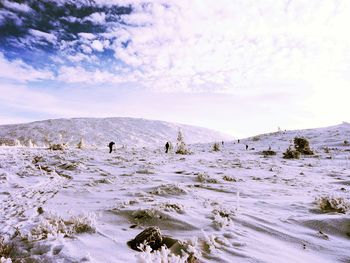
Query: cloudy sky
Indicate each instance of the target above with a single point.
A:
(239, 66)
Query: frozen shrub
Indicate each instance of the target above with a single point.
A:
(164, 255)
(222, 217)
(169, 189)
(216, 147)
(5, 251)
(81, 144)
(291, 154)
(302, 145)
(229, 178)
(83, 224)
(58, 147)
(181, 145)
(333, 204)
(204, 178)
(52, 225)
(268, 153)
(145, 216)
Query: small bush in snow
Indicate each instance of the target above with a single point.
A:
(346, 143)
(181, 147)
(216, 147)
(291, 154)
(164, 255)
(81, 144)
(58, 147)
(204, 178)
(302, 145)
(5, 251)
(53, 225)
(333, 204)
(268, 153)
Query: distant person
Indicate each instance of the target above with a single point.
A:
(238, 140)
(110, 145)
(222, 143)
(167, 146)
(246, 146)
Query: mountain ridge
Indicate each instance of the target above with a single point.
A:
(99, 131)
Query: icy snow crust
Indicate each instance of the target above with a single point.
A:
(227, 206)
(98, 132)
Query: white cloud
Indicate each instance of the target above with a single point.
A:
(97, 45)
(17, 6)
(231, 44)
(43, 35)
(96, 18)
(19, 71)
(89, 36)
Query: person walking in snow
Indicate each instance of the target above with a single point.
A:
(167, 146)
(246, 146)
(110, 145)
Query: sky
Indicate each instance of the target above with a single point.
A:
(243, 67)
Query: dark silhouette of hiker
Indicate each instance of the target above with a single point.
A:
(222, 143)
(246, 146)
(238, 140)
(167, 146)
(110, 145)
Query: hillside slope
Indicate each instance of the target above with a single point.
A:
(99, 131)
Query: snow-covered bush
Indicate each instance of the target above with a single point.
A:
(291, 154)
(53, 225)
(333, 204)
(163, 255)
(204, 178)
(5, 251)
(58, 147)
(181, 147)
(81, 144)
(268, 153)
(216, 147)
(302, 145)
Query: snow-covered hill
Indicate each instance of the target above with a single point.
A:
(100, 131)
(231, 205)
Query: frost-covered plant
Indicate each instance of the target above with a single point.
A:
(53, 225)
(143, 216)
(333, 204)
(268, 153)
(83, 223)
(81, 144)
(204, 178)
(181, 147)
(58, 147)
(168, 189)
(164, 255)
(5, 251)
(222, 217)
(291, 154)
(216, 147)
(172, 207)
(302, 145)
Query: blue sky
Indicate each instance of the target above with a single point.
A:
(242, 67)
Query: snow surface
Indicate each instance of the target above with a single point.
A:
(99, 132)
(234, 205)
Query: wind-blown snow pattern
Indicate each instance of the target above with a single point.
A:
(100, 131)
(231, 205)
